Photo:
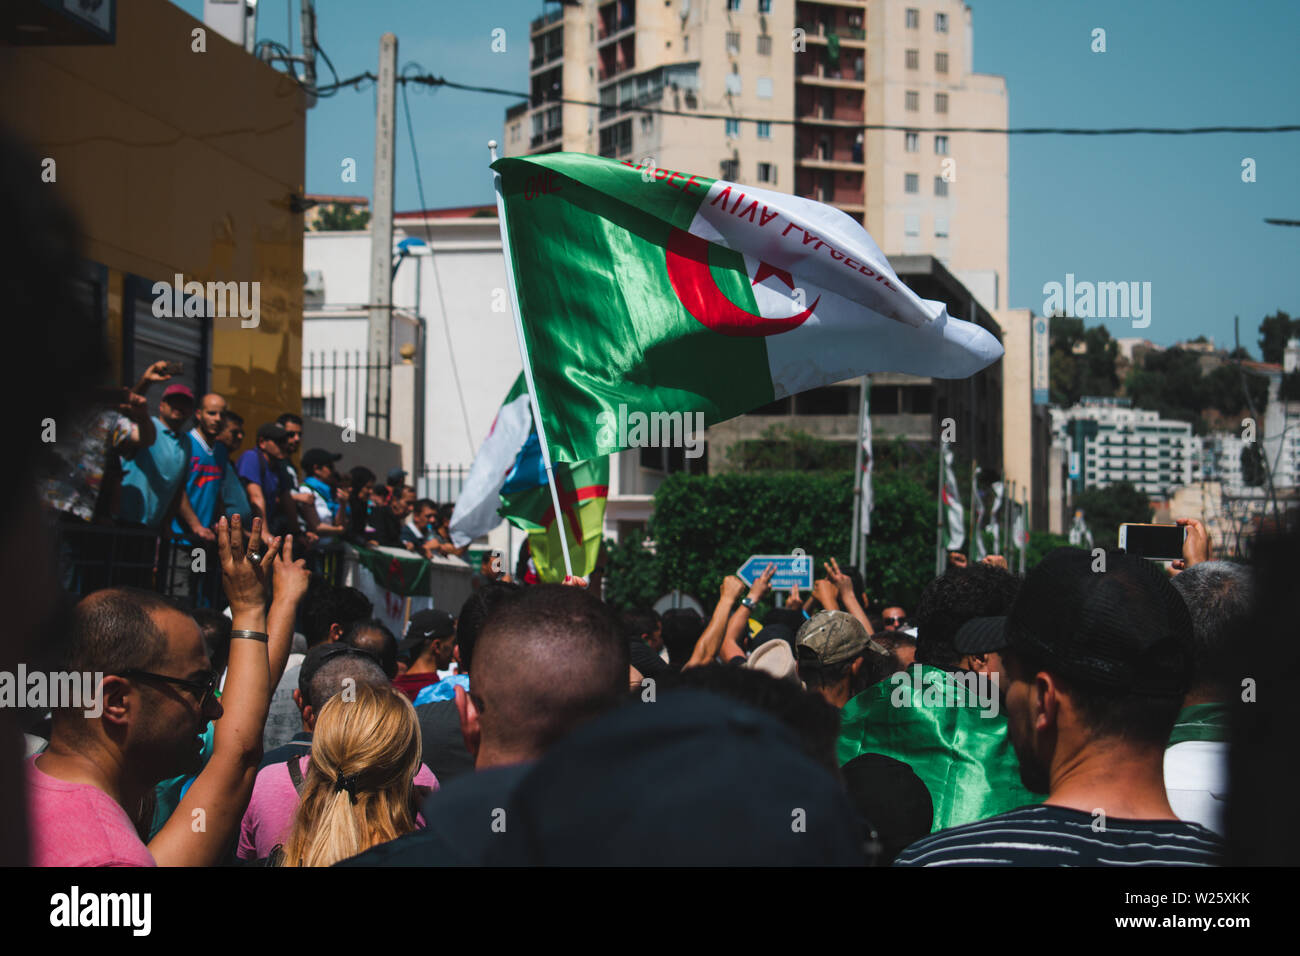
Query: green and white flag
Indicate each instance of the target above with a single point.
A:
(687, 301)
(954, 513)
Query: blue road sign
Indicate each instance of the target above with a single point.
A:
(792, 570)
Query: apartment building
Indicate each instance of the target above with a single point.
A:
(779, 93)
(1109, 441)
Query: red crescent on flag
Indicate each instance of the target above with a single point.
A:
(687, 257)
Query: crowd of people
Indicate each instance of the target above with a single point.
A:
(539, 726)
(168, 478)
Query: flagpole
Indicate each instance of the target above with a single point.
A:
(528, 366)
(869, 468)
(938, 523)
(855, 531)
(1024, 547)
(970, 545)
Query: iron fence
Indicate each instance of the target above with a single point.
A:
(336, 389)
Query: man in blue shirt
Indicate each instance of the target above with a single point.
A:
(234, 500)
(259, 470)
(154, 479)
(201, 504)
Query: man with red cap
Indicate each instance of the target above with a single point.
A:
(153, 481)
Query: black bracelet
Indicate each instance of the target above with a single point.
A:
(250, 635)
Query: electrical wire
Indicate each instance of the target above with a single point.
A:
(433, 265)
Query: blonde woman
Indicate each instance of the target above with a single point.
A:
(359, 789)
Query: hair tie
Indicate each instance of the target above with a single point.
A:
(348, 783)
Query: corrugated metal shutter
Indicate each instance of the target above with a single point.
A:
(149, 339)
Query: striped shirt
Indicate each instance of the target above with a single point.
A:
(1056, 836)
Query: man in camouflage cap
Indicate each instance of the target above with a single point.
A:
(837, 658)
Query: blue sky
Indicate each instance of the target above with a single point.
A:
(1169, 210)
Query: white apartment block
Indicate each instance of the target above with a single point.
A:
(1109, 442)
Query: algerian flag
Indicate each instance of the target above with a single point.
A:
(670, 294)
(956, 515)
(1080, 533)
(978, 504)
(994, 527)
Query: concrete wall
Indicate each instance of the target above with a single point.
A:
(179, 162)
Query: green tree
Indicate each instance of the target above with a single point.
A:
(340, 217)
(1040, 543)
(781, 449)
(1274, 332)
(634, 576)
(1105, 509)
(1089, 372)
(1170, 383)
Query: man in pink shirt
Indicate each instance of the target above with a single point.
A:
(155, 688)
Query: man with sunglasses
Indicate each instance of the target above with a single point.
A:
(155, 686)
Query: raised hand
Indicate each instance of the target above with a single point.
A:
(245, 575)
(1196, 544)
(290, 578)
(731, 589)
(763, 584)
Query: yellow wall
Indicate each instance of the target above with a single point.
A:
(179, 162)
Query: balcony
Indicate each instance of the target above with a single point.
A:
(854, 37)
(543, 22)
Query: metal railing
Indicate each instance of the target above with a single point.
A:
(336, 385)
(441, 483)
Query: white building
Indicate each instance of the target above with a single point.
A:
(1109, 442)
(449, 294)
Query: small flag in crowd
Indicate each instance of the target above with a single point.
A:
(508, 479)
(956, 516)
(994, 527)
(670, 294)
(979, 553)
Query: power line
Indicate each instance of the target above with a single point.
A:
(431, 80)
(433, 265)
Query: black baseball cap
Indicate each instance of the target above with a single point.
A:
(425, 626)
(981, 635)
(1121, 628)
(271, 432)
(315, 457)
(586, 802)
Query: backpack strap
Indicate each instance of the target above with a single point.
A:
(295, 773)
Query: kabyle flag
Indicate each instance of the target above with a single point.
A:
(478, 504)
(956, 515)
(526, 503)
(661, 294)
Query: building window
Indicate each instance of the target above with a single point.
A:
(911, 142)
(731, 169)
(733, 130)
(764, 132)
(911, 224)
(941, 63)
(941, 227)
(912, 59)
(733, 43)
(764, 6)
(941, 102)
(941, 145)
(941, 23)
(763, 88)
(766, 173)
(913, 18)
(765, 46)
(912, 100)
(940, 186)
(911, 183)
(733, 84)
(733, 6)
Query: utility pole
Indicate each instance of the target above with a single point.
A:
(381, 232)
(855, 529)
